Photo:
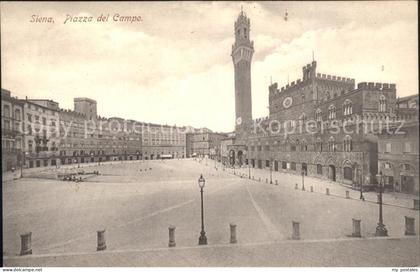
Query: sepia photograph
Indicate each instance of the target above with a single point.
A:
(203, 134)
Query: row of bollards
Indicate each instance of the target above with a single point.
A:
(26, 244)
(327, 192)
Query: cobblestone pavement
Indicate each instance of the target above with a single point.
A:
(136, 207)
(355, 252)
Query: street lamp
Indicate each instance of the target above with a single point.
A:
(362, 178)
(22, 163)
(303, 179)
(380, 229)
(249, 164)
(215, 161)
(202, 240)
(271, 171)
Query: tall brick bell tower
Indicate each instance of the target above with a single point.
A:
(242, 51)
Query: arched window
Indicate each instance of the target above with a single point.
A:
(331, 112)
(17, 114)
(348, 144)
(318, 115)
(318, 144)
(302, 119)
(331, 144)
(382, 104)
(292, 146)
(328, 96)
(304, 146)
(348, 107)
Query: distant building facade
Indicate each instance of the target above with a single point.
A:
(407, 107)
(398, 157)
(41, 132)
(204, 144)
(11, 131)
(163, 141)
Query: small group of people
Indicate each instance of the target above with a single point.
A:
(72, 178)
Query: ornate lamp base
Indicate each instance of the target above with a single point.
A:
(202, 240)
(381, 230)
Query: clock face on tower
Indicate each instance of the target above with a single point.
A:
(287, 102)
(239, 121)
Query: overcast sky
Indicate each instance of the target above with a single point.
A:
(174, 67)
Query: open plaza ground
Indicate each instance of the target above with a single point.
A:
(135, 203)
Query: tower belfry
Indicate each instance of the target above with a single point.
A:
(242, 51)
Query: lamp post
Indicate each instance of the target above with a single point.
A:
(232, 160)
(202, 240)
(362, 178)
(303, 179)
(380, 229)
(271, 171)
(215, 161)
(249, 165)
(22, 163)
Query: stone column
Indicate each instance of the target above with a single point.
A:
(356, 228)
(172, 236)
(296, 232)
(233, 233)
(26, 243)
(409, 226)
(101, 240)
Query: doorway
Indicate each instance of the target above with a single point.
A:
(331, 172)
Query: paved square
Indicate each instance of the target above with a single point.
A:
(136, 207)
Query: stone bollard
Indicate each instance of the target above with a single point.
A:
(172, 236)
(416, 204)
(347, 194)
(409, 226)
(233, 233)
(277, 183)
(327, 191)
(101, 240)
(296, 233)
(356, 228)
(296, 186)
(312, 189)
(25, 243)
